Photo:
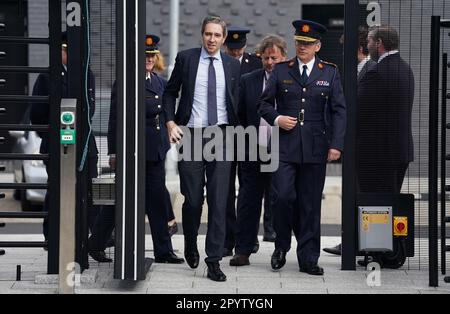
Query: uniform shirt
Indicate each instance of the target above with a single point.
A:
(310, 66)
(199, 115)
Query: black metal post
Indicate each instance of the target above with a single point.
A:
(433, 153)
(443, 161)
(77, 60)
(130, 260)
(54, 159)
(2, 225)
(349, 159)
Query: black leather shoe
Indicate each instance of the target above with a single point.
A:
(336, 250)
(191, 255)
(278, 259)
(256, 247)
(239, 260)
(173, 229)
(100, 256)
(2, 252)
(214, 272)
(312, 269)
(269, 236)
(169, 258)
(227, 252)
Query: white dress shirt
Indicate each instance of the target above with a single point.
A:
(363, 63)
(199, 115)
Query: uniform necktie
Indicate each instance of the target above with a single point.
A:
(212, 93)
(305, 75)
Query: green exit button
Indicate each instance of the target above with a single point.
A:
(68, 137)
(67, 118)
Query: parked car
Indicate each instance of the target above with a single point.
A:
(29, 171)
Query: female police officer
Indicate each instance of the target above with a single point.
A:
(158, 205)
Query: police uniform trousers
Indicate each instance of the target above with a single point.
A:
(156, 198)
(297, 189)
(194, 175)
(254, 186)
(156, 207)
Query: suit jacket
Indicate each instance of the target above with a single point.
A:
(39, 113)
(250, 91)
(385, 100)
(183, 78)
(323, 102)
(366, 67)
(157, 138)
(250, 63)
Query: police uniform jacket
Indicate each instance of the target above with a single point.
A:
(250, 63)
(39, 114)
(157, 138)
(319, 105)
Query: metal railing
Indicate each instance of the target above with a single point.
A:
(53, 101)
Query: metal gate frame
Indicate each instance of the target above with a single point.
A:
(130, 262)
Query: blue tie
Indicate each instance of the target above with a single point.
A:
(305, 75)
(212, 94)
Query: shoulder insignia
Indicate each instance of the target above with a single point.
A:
(291, 62)
(329, 63)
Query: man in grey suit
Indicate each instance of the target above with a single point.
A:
(209, 84)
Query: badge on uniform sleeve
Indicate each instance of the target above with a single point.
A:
(323, 83)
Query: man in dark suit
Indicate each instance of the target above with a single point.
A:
(364, 63)
(385, 100)
(209, 84)
(39, 114)
(384, 137)
(304, 98)
(235, 46)
(255, 184)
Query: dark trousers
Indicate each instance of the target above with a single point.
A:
(170, 213)
(157, 197)
(381, 178)
(92, 211)
(254, 186)
(230, 239)
(297, 192)
(194, 176)
(156, 207)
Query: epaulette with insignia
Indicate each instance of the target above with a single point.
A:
(329, 63)
(291, 62)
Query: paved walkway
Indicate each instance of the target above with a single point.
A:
(258, 278)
